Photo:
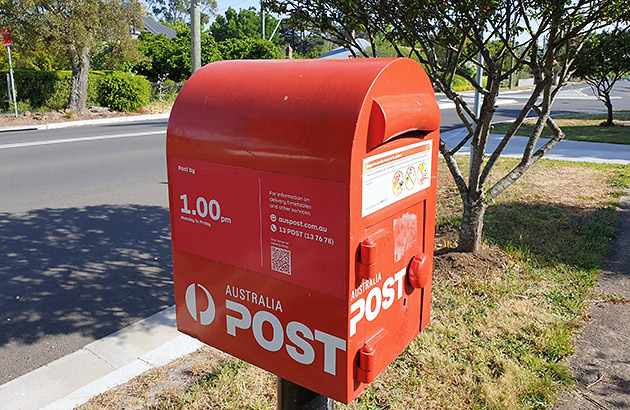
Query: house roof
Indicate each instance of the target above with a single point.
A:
(343, 52)
(153, 27)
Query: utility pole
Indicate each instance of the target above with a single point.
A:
(262, 19)
(195, 34)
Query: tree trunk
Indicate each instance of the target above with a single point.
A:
(472, 224)
(78, 86)
(609, 107)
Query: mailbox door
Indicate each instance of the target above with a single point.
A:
(392, 223)
(386, 309)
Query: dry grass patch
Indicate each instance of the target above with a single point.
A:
(502, 320)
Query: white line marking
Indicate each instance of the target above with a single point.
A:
(79, 139)
(446, 104)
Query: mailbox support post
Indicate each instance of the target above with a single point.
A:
(294, 397)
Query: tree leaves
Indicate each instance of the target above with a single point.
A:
(173, 11)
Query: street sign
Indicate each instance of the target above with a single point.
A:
(8, 42)
(6, 37)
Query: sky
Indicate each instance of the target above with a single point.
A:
(223, 5)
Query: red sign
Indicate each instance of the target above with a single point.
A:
(6, 37)
(264, 322)
(282, 226)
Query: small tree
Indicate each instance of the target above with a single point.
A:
(247, 49)
(75, 29)
(604, 60)
(171, 58)
(245, 23)
(178, 11)
(446, 36)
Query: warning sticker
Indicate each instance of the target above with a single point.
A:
(395, 175)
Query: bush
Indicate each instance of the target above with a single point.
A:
(122, 91)
(165, 91)
(248, 48)
(48, 88)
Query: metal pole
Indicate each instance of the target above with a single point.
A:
(480, 82)
(195, 34)
(9, 93)
(12, 81)
(512, 64)
(294, 397)
(262, 18)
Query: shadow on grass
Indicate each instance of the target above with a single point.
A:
(85, 272)
(549, 235)
(579, 127)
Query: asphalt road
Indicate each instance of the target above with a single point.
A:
(576, 98)
(84, 228)
(85, 246)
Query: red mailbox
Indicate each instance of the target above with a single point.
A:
(302, 197)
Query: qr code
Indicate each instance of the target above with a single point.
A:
(281, 260)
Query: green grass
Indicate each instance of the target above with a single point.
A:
(579, 127)
(499, 339)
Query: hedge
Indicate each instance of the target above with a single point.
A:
(123, 91)
(47, 88)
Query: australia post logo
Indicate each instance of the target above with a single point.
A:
(206, 316)
(247, 311)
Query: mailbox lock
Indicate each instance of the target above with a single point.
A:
(367, 259)
(367, 363)
(419, 271)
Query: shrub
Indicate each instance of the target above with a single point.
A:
(122, 91)
(247, 48)
(48, 88)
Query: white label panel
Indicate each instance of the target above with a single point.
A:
(394, 175)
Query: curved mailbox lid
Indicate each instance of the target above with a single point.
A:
(298, 117)
(394, 115)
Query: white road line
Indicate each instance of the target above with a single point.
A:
(78, 139)
(581, 92)
(446, 104)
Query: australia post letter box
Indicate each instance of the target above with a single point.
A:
(302, 199)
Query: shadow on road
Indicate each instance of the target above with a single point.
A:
(89, 270)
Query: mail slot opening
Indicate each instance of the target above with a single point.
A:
(417, 135)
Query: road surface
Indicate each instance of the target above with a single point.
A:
(576, 98)
(85, 246)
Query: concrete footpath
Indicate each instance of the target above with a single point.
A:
(101, 365)
(565, 150)
(99, 121)
(601, 365)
